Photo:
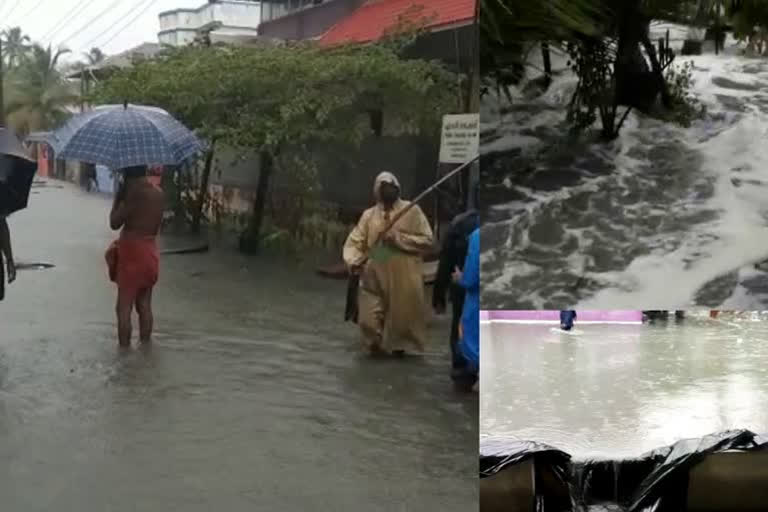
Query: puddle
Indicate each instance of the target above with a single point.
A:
(34, 266)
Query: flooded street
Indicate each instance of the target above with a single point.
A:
(253, 397)
(617, 391)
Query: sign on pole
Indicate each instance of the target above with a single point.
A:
(460, 138)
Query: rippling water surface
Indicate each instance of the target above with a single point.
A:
(620, 390)
(253, 397)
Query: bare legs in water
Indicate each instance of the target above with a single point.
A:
(125, 305)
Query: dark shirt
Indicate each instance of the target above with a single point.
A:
(453, 253)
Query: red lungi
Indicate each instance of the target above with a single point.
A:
(133, 263)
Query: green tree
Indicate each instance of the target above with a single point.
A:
(608, 42)
(38, 95)
(16, 45)
(286, 99)
(750, 24)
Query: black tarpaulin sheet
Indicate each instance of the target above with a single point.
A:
(496, 454)
(654, 482)
(550, 476)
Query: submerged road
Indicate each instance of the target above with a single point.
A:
(618, 391)
(253, 397)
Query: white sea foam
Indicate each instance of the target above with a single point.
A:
(734, 156)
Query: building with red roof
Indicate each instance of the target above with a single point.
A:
(377, 18)
(451, 36)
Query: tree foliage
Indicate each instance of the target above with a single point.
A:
(610, 49)
(37, 95)
(750, 24)
(294, 95)
(16, 45)
(285, 101)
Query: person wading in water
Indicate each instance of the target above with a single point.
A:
(392, 311)
(133, 259)
(566, 319)
(469, 334)
(453, 253)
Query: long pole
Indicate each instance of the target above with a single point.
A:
(351, 309)
(424, 194)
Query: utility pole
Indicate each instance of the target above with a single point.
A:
(2, 86)
(473, 105)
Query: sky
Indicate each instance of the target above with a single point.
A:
(112, 25)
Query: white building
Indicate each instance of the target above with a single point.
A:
(234, 21)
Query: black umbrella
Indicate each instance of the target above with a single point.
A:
(17, 171)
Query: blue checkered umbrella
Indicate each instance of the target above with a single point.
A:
(120, 136)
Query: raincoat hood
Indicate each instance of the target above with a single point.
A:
(384, 177)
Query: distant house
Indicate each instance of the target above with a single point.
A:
(86, 76)
(227, 21)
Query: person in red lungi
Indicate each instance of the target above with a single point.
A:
(133, 259)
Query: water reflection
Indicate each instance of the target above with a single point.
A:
(619, 390)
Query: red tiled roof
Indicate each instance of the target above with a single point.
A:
(374, 18)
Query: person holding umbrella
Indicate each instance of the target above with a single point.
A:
(133, 260)
(131, 138)
(17, 171)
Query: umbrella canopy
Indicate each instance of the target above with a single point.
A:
(120, 136)
(17, 171)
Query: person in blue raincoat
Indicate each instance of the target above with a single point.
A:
(469, 279)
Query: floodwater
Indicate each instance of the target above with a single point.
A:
(253, 396)
(664, 217)
(618, 391)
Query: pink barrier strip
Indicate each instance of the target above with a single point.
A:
(554, 316)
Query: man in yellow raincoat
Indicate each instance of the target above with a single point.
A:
(392, 313)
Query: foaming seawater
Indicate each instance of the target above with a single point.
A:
(664, 215)
(619, 391)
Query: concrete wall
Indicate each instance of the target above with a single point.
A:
(308, 22)
(177, 37)
(346, 175)
(455, 47)
(233, 168)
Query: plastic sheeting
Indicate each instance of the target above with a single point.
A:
(654, 482)
(551, 476)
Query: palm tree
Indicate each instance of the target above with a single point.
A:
(94, 56)
(16, 44)
(38, 94)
